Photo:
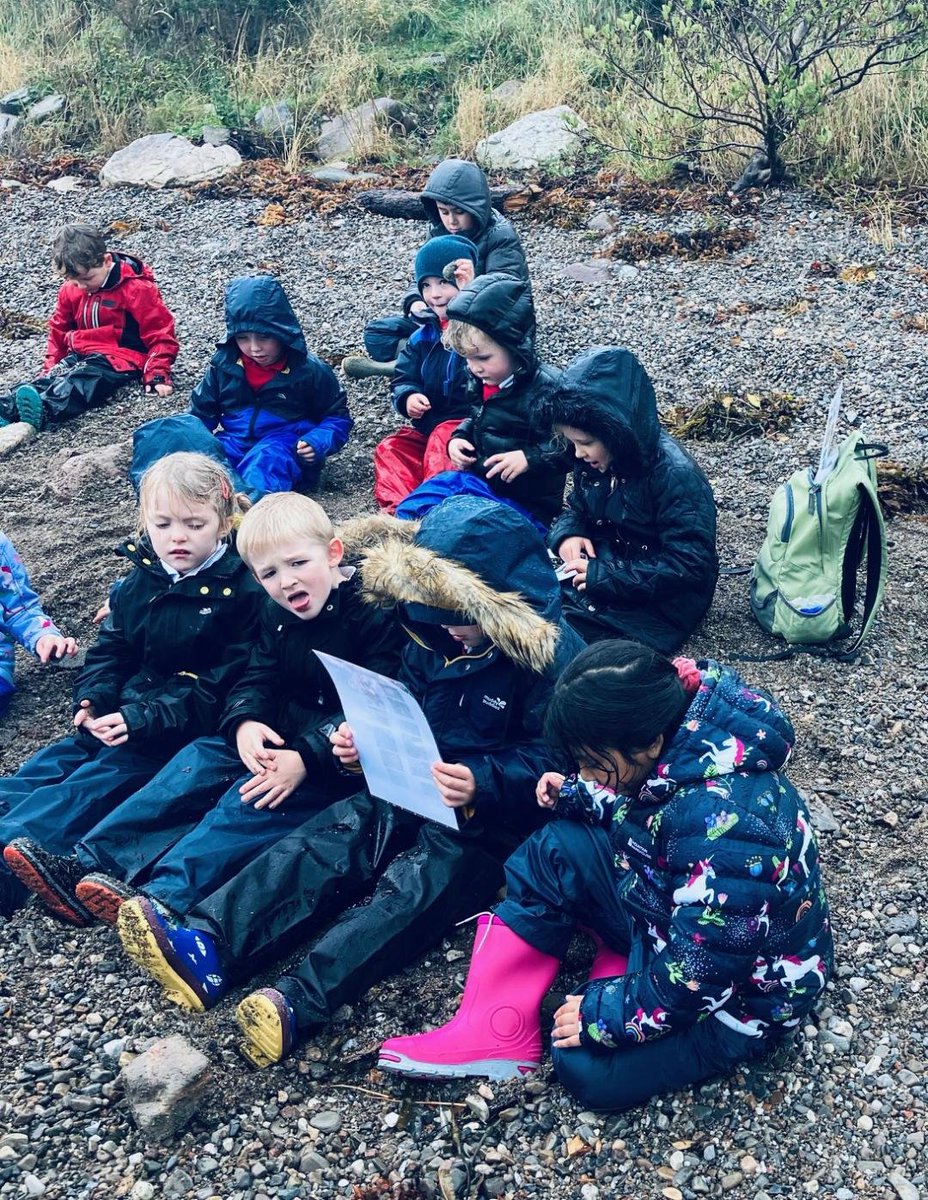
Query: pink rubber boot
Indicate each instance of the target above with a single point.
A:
(608, 963)
(496, 1031)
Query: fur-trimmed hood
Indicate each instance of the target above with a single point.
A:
(472, 556)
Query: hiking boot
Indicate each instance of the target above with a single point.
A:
(184, 961)
(103, 895)
(29, 405)
(53, 878)
(268, 1022)
(358, 366)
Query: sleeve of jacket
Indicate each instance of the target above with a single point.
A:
(327, 405)
(572, 522)
(156, 329)
(21, 614)
(189, 706)
(410, 296)
(715, 935)
(504, 251)
(60, 324)
(547, 455)
(110, 661)
(206, 398)
(255, 695)
(466, 428)
(408, 375)
(686, 521)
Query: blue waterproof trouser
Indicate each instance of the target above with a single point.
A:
(565, 875)
(187, 831)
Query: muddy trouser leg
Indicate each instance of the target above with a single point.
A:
(442, 879)
(80, 384)
(303, 880)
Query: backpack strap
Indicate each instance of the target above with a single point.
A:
(865, 544)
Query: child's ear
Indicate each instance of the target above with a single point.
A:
(107, 259)
(336, 551)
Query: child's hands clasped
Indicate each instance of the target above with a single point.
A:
(456, 783)
(417, 405)
(548, 789)
(110, 729)
(52, 645)
(252, 739)
(462, 453)
(566, 1031)
(270, 787)
(507, 466)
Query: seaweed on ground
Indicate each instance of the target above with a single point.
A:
(721, 417)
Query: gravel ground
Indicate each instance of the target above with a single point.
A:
(841, 1113)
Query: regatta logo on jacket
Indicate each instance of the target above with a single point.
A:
(497, 703)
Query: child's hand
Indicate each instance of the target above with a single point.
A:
(566, 1031)
(417, 405)
(456, 783)
(464, 272)
(575, 547)
(578, 568)
(110, 729)
(52, 645)
(161, 389)
(343, 746)
(419, 308)
(251, 739)
(270, 788)
(548, 789)
(84, 714)
(102, 613)
(507, 466)
(461, 453)
(305, 451)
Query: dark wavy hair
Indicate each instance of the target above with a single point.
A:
(615, 695)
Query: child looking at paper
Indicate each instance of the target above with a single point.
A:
(486, 644)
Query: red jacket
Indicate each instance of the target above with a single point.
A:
(126, 321)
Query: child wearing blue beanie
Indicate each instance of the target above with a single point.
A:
(430, 384)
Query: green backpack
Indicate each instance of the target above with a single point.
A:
(822, 526)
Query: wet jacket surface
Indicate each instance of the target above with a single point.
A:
(485, 708)
(511, 420)
(126, 321)
(168, 652)
(718, 865)
(306, 390)
(424, 365)
(285, 684)
(651, 516)
(464, 185)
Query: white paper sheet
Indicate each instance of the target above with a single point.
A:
(394, 741)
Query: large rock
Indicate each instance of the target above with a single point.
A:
(17, 102)
(165, 1085)
(276, 119)
(50, 106)
(534, 140)
(356, 131)
(92, 468)
(166, 160)
(8, 123)
(15, 435)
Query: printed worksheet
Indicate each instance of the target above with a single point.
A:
(394, 741)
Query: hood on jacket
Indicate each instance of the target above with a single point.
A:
(128, 265)
(469, 556)
(463, 185)
(729, 728)
(606, 392)
(258, 304)
(501, 307)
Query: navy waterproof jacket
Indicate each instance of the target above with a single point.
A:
(305, 391)
(169, 650)
(424, 365)
(717, 863)
(651, 517)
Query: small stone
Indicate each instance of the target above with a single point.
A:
(865, 1122)
(35, 1187)
(749, 1164)
(671, 1193)
(478, 1106)
(327, 1121)
(14, 435)
(165, 1085)
(889, 818)
(904, 1189)
(64, 184)
(142, 1190)
(731, 1180)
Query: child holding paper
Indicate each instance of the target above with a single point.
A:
(486, 643)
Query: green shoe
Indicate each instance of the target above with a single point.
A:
(29, 405)
(356, 366)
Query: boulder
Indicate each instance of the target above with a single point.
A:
(65, 183)
(534, 140)
(215, 135)
(49, 106)
(506, 91)
(93, 468)
(8, 124)
(165, 1085)
(15, 435)
(166, 160)
(355, 132)
(17, 102)
(276, 119)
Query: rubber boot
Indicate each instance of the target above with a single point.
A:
(607, 963)
(496, 1031)
(358, 366)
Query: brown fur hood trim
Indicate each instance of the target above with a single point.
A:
(395, 570)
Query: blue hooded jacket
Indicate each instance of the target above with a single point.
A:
(306, 394)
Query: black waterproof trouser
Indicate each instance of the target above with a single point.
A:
(373, 886)
(75, 385)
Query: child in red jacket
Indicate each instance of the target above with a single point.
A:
(110, 327)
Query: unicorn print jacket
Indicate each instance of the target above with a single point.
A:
(717, 865)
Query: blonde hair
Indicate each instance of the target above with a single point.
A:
(196, 479)
(465, 338)
(279, 517)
